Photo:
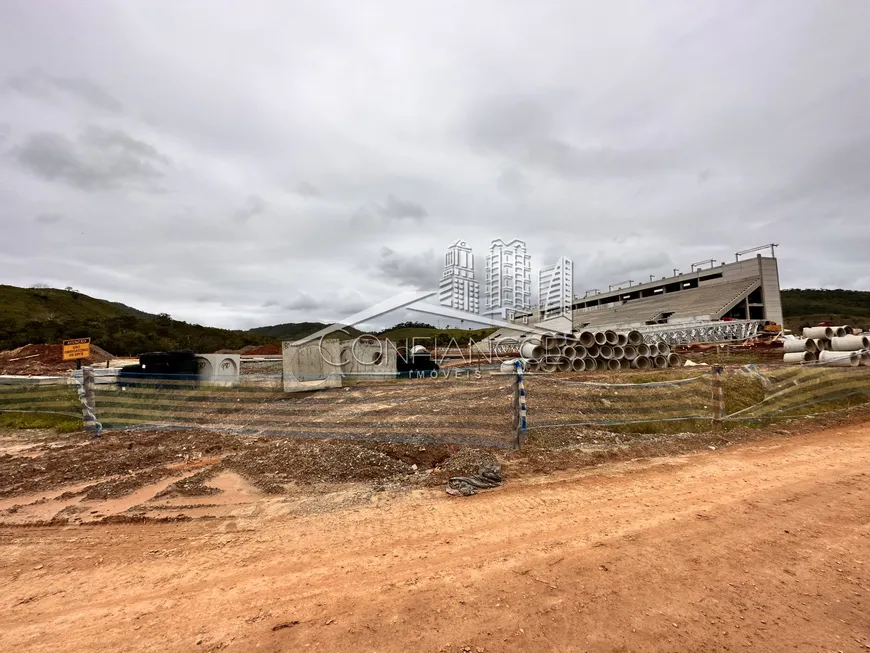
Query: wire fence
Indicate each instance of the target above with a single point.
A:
(479, 409)
(468, 410)
(714, 396)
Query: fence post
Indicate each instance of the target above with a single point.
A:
(718, 396)
(519, 405)
(87, 397)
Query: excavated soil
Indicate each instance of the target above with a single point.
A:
(45, 360)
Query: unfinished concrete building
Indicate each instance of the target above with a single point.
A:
(744, 290)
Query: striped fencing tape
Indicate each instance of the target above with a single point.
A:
(520, 394)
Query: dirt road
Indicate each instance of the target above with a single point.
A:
(761, 546)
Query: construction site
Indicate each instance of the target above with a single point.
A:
(666, 468)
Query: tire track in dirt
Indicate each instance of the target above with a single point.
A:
(762, 546)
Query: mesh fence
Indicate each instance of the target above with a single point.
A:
(795, 391)
(58, 399)
(473, 411)
(554, 402)
(479, 409)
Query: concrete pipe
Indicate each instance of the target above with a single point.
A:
(822, 344)
(840, 358)
(674, 360)
(586, 338)
(850, 343)
(653, 350)
(568, 352)
(591, 364)
(566, 365)
(798, 345)
(532, 350)
(592, 351)
(613, 365)
(532, 366)
(798, 357)
(561, 339)
(624, 364)
(664, 348)
(865, 358)
(839, 332)
(611, 337)
(661, 362)
(819, 332)
(578, 365)
(549, 367)
(640, 363)
(551, 343)
(621, 340)
(605, 351)
(600, 338)
(643, 349)
(580, 351)
(618, 352)
(629, 352)
(635, 338)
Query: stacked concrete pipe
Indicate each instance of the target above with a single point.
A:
(828, 341)
(589, 351)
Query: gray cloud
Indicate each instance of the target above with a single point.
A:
(633, 146)
(99, 159)
(307, 189)
(398, 209)
(416, 269)
(254, 205)
(37, 84)
(513, 182)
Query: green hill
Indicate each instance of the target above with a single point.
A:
(296, 330)
(23, 304)
(47, 315)
(806, 307)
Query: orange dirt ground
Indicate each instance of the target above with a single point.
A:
(761, 546)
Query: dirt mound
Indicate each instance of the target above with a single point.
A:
(39, 360)
(269, 464)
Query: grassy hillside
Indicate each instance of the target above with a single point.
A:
(47, 315)
(23, 304)
(805, 307)
(296, 330)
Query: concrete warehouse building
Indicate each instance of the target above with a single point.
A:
(743, 290)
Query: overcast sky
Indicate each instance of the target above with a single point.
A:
(247, 163)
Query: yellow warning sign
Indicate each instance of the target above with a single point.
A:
(77, 348)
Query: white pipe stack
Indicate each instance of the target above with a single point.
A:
(828, 345)
(589, 351)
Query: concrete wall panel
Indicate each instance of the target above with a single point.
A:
(312, 366)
